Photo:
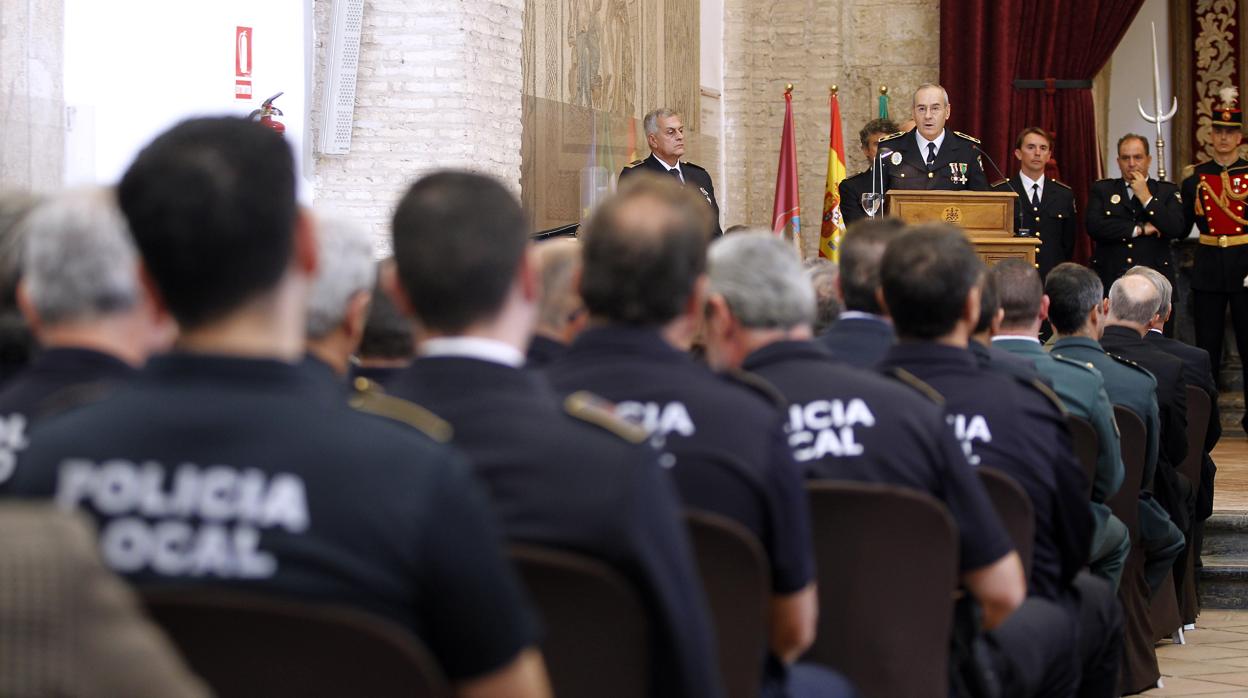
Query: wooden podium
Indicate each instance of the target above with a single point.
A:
(986, 216)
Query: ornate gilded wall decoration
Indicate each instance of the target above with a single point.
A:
(1215, 65)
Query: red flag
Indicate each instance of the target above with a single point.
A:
(786, 213)
(833, 225)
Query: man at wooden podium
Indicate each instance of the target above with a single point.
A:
(929, 156)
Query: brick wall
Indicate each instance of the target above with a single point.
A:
(439, 85)
(32, 100)
(855, 44)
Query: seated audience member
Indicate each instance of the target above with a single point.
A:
(560, 313)
(224, 465)
(930, 279)
(388, 343)
(17, 346)
(69, 626)
(561, 473)
(644, 282)
(852, 188)
(80, 295)
(990, 357)
(862, 333)
(759, 320)
(1077, 312)
(1082, 390)
(338, 301)
(822, 275)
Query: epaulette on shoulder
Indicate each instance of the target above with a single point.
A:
(759, 385)
(972, 139)
(368, 397)
(1061, 184)
(1188, 171)
(1081, 365)
(695, 166)
(999, 182)
(1105, 179)
(590, 408)
(891, 136)
(918, 384)
(1240, 168)
(635, 163)
(1046, 391)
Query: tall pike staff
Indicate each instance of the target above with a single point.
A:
(1157, 117)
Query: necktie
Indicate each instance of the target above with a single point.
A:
(1035, 195)
(675, 172)
(931, 155)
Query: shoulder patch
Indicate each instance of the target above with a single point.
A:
(635, 163)
(918, 384)
(972, 139)
(759, 385)
(368, 397)
(891, 136)
(1048, 393)
(588, 407)
(1061, 184)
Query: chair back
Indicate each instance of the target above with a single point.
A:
(887, 563)
(1087, 446)
(735, 576)
(596, 627)
(1015, 509)
(250, 645)
(1132, 435)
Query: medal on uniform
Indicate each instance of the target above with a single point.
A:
(957, 172)
(704, 193)
(896, 159)
(1115, 199)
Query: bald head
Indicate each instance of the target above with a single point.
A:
(1164, 290)
(1133, 301)
(558, 263)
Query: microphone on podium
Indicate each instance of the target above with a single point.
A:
(1020, 230)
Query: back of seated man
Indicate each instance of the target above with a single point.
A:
(225, 465)
(564, 474)
(388, 344)
(991, 357)
(644, 280)
(339, 300)
(560, 313)
(1082, 390)
(822, 274)
(863, 333)
(930, 281)
(849, 424)
(81, 297)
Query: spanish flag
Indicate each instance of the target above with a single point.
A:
(833, 224)
(786, 212)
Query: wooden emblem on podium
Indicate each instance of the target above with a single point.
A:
(987, 217)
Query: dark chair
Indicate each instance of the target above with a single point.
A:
(1087, 446)
(1139, 667)
(1199, 412)
(596, 639)
(249, 645)
(734, 571)
(886, 559)
(1015, 509)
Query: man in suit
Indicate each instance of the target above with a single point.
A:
(1133, 219)
(665, 134)
(852, 188)
(1046, 207)
(931, 156)
(339, 299)
(862, 333)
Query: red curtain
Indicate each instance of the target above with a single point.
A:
(986, 44)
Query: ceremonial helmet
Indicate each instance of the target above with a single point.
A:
(1227, 112)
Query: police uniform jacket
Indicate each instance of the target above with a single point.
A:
(572, 476)
(1053, 221)
(380, 375)
(1218, 269)
(851, 191)
(861, 340)
(1015, 427)
(993, 358)
(1197, 372)
(957, 167)
(59, 379)
(847, 424)
(240, 473)
(721, 438)
(1111, 219)
(543, 350)
(694, 176)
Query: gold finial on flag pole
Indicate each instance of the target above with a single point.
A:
(788, 89)
(883, 89)
(834, 89)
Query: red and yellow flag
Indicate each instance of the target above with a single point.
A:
(833, 226)
(786, 219)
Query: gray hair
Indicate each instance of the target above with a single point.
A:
(927, 86)
(347, 267)
(1134, 299)
(822, 274)
(651, 123)
(1164, 290)
(760, 276)
(79, 262)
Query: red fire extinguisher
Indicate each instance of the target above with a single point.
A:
(266, 113)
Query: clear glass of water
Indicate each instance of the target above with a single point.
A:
(871, 203)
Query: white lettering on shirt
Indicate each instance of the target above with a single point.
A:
(12, 440)
(969, 429)
(826, 427)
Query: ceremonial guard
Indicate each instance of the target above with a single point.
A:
(930, 156)
(1213, 201)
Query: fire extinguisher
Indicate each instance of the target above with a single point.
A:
(266, 113)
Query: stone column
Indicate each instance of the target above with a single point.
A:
(32, 95)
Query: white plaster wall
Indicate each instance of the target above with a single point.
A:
(1131, 78)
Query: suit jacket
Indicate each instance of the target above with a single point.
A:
(694, 176)
(1053, 221)
(69, 626)
(957, 166)
(1196, 371)
(1168, 486)
(858, 341)
(1111, 218)
(851, 190)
